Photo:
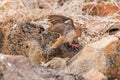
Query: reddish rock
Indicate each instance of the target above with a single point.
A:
(100, 9)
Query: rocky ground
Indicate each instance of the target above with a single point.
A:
(25, 42)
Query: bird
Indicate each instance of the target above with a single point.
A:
(64, 26)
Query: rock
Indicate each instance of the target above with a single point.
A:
(1, 40)
(56, 63)
(28, 39)
(100, 9)
(114, 29)
(96, 27)
(95, 75)
(20, 68)
(17, 36)
(35, 53)
(103, 56)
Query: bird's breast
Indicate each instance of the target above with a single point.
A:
(78, 32)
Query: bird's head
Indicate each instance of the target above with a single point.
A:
(77, 33)
(69, 21)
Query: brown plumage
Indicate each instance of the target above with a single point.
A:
(63, 26)
(60, 24)
(55, 19)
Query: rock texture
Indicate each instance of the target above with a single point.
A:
(32, 40)
(100, 9)
(1, 40)
(103, 55)
(28, 39)
(20, 68)
(95, 75)
(56, 63)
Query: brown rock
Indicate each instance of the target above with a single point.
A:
(1, 40)
(28, 39)
(102, 55)
(35, 53)
(17, 36)
(100, 9)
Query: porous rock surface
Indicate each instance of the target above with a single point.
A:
(28, 39)
(32, 40)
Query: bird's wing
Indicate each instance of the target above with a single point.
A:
(54, 19)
